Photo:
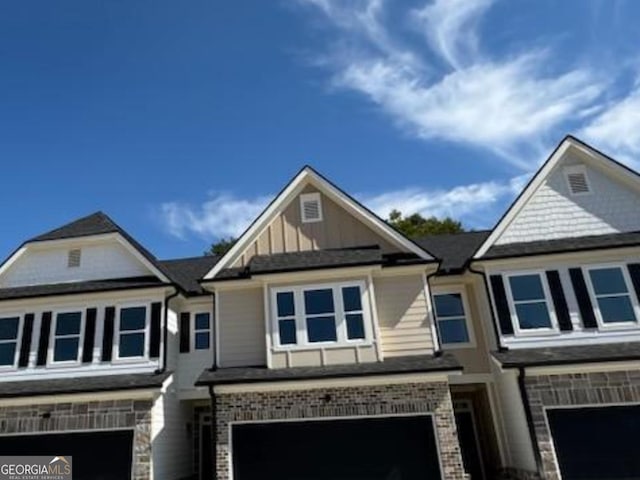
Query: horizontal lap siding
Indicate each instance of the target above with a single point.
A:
(242, 332)
(403, 316)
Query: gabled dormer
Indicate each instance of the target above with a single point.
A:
(564, 261)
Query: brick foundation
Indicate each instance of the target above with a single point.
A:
(87, 416)
(419, 398)
(595, 388)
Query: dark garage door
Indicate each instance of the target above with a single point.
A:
(96, 456)
(597, 443)
(401, 448)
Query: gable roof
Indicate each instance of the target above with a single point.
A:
(305, 176)
(590, 154)
(453, 250)
(97, 223)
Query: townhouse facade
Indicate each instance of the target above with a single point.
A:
(325, 344)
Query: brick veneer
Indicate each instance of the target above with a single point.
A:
(419, 398)
(595, 388)
(87, 416)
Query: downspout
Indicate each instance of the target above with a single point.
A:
(165, 333)
(494, 323)
(529, 416)
(214, 431)
(438, 350)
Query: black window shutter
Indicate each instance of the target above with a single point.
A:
(634, 273)
(502, 306)
(156, 327)
(25, 344)
(582, 296)
(89, 335)
(559, 300)
(43, 344)
(107, 336)
(185, 332)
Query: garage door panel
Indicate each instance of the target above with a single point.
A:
(596, 443)
(387, 448)
(96, 455)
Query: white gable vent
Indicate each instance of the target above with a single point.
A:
(577, 180)
(311, 207)
(73, 258)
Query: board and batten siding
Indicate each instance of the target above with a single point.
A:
(97, 262)
(403, 315)
(241, 340)
(552, 212)
(338, 229)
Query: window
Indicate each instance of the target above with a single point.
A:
(202, 331)
(66, 337)
(132, 332)
(320, 315)
(451, 318)
(9, 328)
(610, 290)
(529, 301)
(310, 207)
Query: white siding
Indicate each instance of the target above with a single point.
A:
(242, 331)
(552, 212)
(171, 444)
(403, 316)
(106, 260)
(519, 450)
(191, 364)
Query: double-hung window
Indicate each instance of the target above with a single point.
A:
(451, 315)
(530, 302)
(611, 292)
(9, 331)
(132, 332)
(202, 331)
(66, 337)
(320, 315)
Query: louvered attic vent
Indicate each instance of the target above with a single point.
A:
(73, 258)
(311, 207)
(577, 180)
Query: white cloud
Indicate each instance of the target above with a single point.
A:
(616, 129)
(225, 215)
(222, 215)
(502, 104)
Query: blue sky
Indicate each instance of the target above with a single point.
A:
(181, 119)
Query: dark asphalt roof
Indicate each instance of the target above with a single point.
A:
(318, 259)
(535, 357)
(186, 272)
(592, 242)
(97, 223)
(398, 365)
(453, 250)
(82, 384)
(70, 288)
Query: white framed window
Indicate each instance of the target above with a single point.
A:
(611, 290)
(530, 303)
(310, 207)
(10, 336)
(452, 314)
(201, 331)
(323, 315)
(66, 338)
(132, 332)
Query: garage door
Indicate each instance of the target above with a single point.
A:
(372, 449)
(96, 456)
(596, 443)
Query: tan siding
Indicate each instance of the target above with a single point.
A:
(339, 229)
(242, 335)
(403, 316)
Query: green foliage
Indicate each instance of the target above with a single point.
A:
(221, 247)
(417, 226)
